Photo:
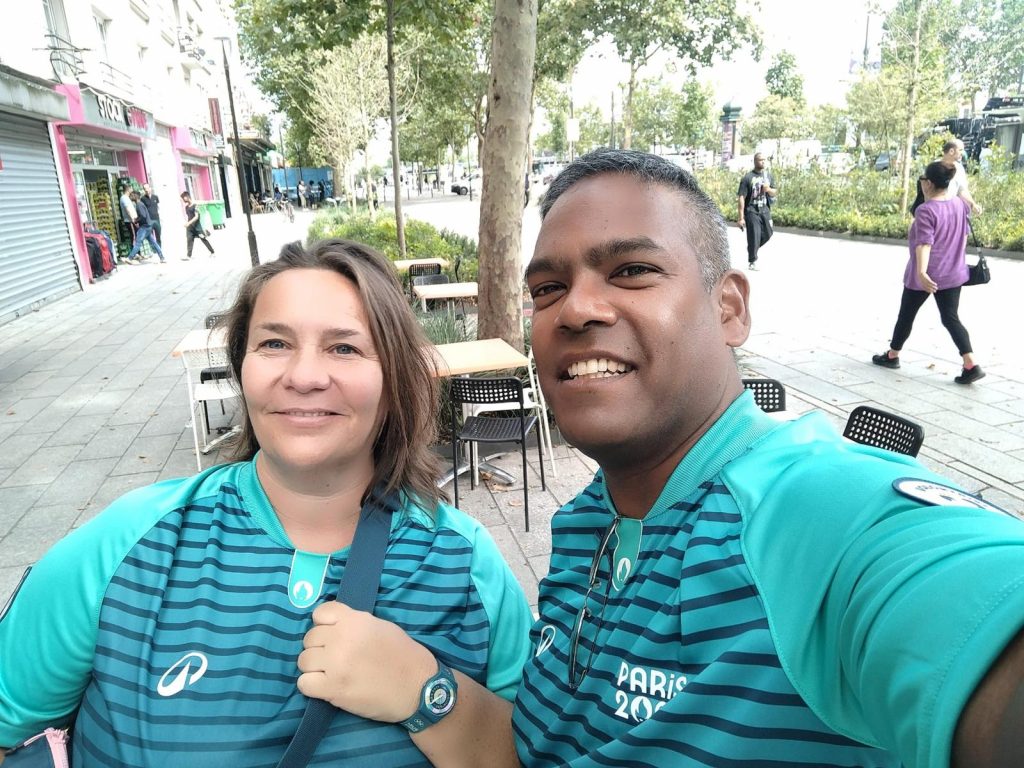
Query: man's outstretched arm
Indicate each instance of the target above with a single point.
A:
(990, 732)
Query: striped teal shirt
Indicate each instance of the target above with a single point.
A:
(783, 606)
(180, 611)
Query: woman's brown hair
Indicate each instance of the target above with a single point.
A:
(401, 453)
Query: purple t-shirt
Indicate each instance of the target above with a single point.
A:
(943, 225)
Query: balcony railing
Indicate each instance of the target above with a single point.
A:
(65, 58)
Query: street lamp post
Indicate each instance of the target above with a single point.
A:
(254, 254)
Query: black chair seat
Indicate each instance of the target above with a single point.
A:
(491, 429)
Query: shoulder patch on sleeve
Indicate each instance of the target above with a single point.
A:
(14, 594)
(940, 495)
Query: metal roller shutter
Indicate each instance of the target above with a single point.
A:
(37, 263)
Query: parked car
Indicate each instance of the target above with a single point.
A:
(462, 186)
(884, 161)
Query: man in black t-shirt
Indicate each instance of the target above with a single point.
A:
(152, 203)
(193, 227)
(755, 198)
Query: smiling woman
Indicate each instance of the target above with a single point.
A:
(191, 619)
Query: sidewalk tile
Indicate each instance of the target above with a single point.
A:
(43, 465)
(110, 442)
(16, 449)
(77, 483)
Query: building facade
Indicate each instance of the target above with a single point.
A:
(135, 94)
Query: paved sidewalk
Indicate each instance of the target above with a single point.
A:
(93, 405)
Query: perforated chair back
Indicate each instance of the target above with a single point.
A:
(872, 426)
(213, 318)
(507, 389)
(418, 270)
(769, 394)
(430, 280)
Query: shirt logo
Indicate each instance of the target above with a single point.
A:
(547, 638)
(302, 593)
(940, 495)
(181, 674)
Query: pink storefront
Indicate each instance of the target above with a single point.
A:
(98, 147)
(195, 151)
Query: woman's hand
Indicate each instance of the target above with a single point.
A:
(362, 664)
(927, 284)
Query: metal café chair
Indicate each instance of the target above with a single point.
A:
(533, 400)
(873, 426)
(491, 429)
(419, 270)
(216, 370)
(769, 394)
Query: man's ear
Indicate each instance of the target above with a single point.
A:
(733, 293)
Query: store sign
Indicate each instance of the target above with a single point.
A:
(110, 112)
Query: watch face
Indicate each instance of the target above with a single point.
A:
(440, 697)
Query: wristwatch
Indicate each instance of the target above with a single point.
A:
(437, 699)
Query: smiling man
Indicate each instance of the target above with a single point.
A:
(732, 590)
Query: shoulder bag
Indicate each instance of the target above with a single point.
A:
(977, 274)
(358, 589)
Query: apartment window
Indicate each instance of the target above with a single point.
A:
(56, 21)
(102, 31)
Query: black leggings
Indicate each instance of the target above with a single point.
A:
(948, 301)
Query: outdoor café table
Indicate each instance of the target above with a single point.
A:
(447, 291)
(465, 357)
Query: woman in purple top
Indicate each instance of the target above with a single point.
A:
(938, 241)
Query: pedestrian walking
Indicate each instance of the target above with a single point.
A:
(301, 190)
(952, 155)
(755, 196)
(152, 203)
(145, 230)
(193, 228)
(937, 267)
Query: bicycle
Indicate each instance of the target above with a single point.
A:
(286, 208)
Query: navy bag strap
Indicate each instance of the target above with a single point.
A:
(358, 590)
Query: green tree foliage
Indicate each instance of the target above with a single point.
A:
(914, 53)
(828, 124)
(776, 117)
(667, 116)
(783, 78)
(987, 45)
(696, 32)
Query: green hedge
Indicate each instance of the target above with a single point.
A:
(865, 202)
(422, 240)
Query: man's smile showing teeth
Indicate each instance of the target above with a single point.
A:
(597, 368)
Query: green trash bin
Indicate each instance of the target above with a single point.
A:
(216, 211)
(205, 215)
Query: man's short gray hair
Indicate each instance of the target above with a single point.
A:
(706, 228)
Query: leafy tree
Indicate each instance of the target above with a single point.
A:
(696, 32)
(776, 117)
(313, 27)
(593, 128)
(667, 116)
(828, 124)
(988, 47)
(553, 99)
(783, 79)
(914, 58)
